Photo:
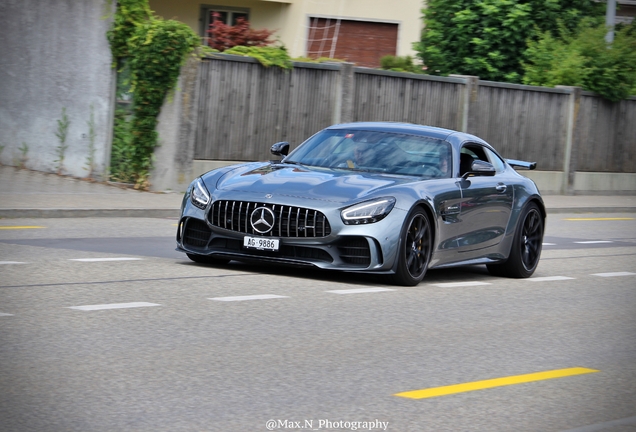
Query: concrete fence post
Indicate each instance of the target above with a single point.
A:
(468, 104)
(569, 154)
(343, 106)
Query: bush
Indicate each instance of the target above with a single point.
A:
(582, 58)
(224, 37)
(267, 56)
(487, 38)
(400, 64)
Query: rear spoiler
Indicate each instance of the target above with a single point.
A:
(521, 164)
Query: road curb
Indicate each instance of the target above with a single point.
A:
(82, 213)
(590, 210)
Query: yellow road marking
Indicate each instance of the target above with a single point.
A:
(600, 219)
(496, 382)
(19, 227)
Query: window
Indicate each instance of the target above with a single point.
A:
(360, 42)
(227, 15)
(495, 160)
(471, 152)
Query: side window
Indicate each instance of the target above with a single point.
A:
(224, 14)
(479, 152)
(495, 160)
(468, 154)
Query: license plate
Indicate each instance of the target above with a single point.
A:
(262, 243)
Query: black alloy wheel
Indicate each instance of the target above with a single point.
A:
(526, 246)
(414, 251)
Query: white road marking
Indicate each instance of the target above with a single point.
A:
(113, 306)
(549, 244)
(248, 297)
(594, 241)
(359, 290)
(614, 274)
(5, 314)
(549, 278)
(105, 259)
(460, 284)
(11, 262)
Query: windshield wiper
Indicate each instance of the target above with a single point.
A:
(295, 163)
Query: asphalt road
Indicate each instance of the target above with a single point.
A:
(148, 341)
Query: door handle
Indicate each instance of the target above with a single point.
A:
(501, 187)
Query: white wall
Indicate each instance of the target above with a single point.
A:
(54, 54)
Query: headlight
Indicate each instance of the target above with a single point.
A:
(368, 212)
(199, 195)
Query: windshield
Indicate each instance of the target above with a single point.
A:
(372, 151)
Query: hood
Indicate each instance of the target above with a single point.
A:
(306, 182)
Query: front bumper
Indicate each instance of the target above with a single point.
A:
(357, 248)
(350, 252)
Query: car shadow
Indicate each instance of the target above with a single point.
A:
(447, 275)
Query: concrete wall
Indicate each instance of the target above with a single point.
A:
(172, 168)
(584, 183)
(55, 55)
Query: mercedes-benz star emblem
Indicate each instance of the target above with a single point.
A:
(262, 220)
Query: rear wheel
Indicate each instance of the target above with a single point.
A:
(204, 259)
(526, 246)
(414, 252)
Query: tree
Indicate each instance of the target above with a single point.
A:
(488, 38)
(223, 36)
(582, 58)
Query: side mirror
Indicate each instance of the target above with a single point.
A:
(280, 149)
(481, 168)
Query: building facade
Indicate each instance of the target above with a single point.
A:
(358, 31)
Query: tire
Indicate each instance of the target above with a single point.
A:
(204, 259)
(414, 251)
(526, 246)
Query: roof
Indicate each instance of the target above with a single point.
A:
(408, 128)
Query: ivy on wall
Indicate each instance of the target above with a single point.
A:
(149, 53)
(154, 50)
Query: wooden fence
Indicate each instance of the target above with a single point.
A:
(244, 107)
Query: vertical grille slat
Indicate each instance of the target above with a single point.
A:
(324, 220)
(232, 217)
(289, 216)
(291, 221)
(240, 215)
(225, 216)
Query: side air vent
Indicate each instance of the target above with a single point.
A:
(355, 250)
(196, 233)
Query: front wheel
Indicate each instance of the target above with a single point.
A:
(526, 246)
(414, 251)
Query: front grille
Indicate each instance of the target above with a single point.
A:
(196, 234)
(355, 250)
(289, 221)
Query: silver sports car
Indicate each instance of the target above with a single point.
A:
(376, 197)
